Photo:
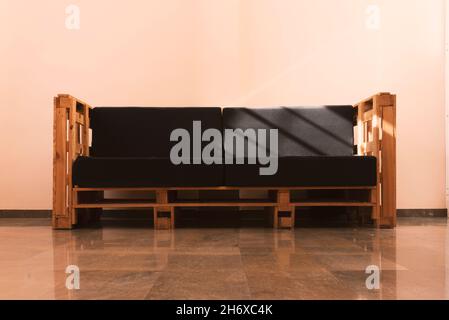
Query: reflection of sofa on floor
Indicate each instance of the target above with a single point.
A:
(315, 162)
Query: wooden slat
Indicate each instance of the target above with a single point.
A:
(333, 204)
(85, 132)
(72, 154)
(388, 157)
(73, 149)
(360, 129)
(386, 99)
(161, 196)
(223, 204)
(176, 204)
(283, 199)
(68, 96)
(286, 222)
(385, 96)
(375, 151)
(59, 160)
(375, 126)
(382, 145)
(226, 188)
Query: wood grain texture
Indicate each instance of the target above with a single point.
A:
(70, 139)
(376, 135)
(388, 159)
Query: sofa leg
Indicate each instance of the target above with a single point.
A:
(284, 213)
(387, 222)
(284, 219)
(164, 218)
(62, 222)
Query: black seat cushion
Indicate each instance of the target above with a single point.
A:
(307, 172)
(302, 131)
(143, 172)
(142, 131)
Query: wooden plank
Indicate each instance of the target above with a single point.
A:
(375, 126)
(86, 131)
(388, 156)
(69, 104)
(161, 196)
(225, 188)
(70, 97)
(386, 99)
(72, 154)
(220, 204)
(333, 204)
(174, 204)
(384, 96)
(59, 161)
(163, 205)
(162, 223)
(376, 150)
(172, 217)
(283, 199)
(360, 129)
(275, 217)
(382, 145)
(285, 222)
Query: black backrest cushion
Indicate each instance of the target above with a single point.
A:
(144, 131)
(302, 131)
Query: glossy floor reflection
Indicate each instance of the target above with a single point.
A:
(126, 262)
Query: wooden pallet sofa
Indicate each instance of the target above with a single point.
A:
(327, 156)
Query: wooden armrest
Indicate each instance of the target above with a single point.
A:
(71, 138)
(375, 135)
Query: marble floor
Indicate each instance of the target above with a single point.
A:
(121, 261)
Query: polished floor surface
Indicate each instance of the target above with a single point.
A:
(128, 262)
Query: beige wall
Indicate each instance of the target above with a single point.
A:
(210, 52)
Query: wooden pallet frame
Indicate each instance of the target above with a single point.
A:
(375, 134)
